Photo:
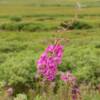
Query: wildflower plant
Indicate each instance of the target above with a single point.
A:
(68, 78)
(47, 67)
(73, 91)
(48, 63)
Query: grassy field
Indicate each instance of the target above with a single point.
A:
(28, 26)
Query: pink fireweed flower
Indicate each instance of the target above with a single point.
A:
(68, 77)
(56, 52)
(49, 60)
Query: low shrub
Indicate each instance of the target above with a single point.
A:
(18, 70)
(10, 47)
(11, 26)
(31, 27)
(16, 18)
(84, 62)
(75, 25)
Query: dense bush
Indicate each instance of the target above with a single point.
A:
(84, 62)
(11, 26)
(10, 47)
(16, 18)
(18, 70)
(75, 25)
(31, 27)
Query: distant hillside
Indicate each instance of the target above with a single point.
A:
(44, 1)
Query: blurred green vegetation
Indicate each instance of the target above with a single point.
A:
(28, 26)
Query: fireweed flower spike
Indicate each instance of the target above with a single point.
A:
(55, 52)
(49, 60)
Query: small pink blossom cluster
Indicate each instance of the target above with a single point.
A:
(10, 91)
(49, 60)
(68, 78)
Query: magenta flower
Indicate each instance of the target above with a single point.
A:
(68, 77)
(49, 60)
(56, 52)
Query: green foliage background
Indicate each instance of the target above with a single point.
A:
(27, 27)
